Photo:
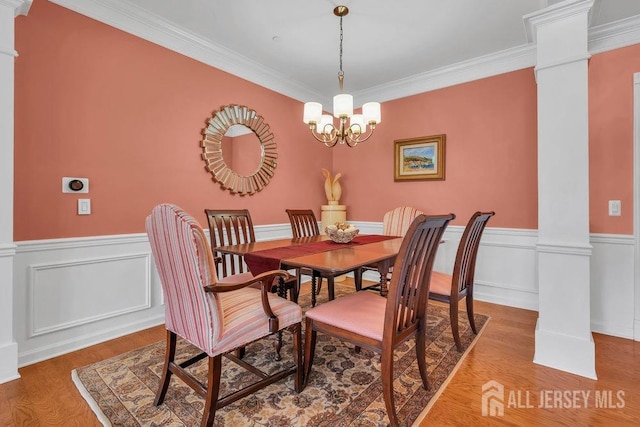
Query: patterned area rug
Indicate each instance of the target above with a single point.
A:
(344, 388)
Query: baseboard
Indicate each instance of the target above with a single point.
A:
(79, 342)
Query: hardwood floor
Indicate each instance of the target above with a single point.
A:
(46, 396)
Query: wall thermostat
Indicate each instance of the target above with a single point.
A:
(75, 185)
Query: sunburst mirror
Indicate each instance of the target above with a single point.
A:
(224, 135)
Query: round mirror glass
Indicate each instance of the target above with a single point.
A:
(241, 150)
(232, 155)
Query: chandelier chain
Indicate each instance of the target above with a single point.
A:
(341, 73)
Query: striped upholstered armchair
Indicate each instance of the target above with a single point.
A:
(215, 317)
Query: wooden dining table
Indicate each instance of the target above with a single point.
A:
(325, 258)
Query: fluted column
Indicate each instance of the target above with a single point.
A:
(9, 9)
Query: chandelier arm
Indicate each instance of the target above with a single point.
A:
(326, 140)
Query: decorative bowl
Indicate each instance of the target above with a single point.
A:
(341, 232)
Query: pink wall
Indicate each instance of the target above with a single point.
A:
(95, 102)
(611, 137)
(491, 134)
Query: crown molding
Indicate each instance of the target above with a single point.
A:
(155, 29)
(615, 35)
(478, 68)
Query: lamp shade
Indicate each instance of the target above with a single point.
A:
(312, 112)
(343, 105)
(358, 124)
(326, 124)
(371, 112)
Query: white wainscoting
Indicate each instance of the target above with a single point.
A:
(72, 293)
(506, 272)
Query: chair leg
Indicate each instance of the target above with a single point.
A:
(331, 288)
(170, 354)
(453, 315)
(298, 282)
(293, 292)
(386, 366)
(297, 354)
(319, 288)
(469, 303)
(421, 355)
(357, 278)
(309, 348)
(239, 352)
(213, 388)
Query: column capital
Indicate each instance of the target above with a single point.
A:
(552, 14)
(20, 7)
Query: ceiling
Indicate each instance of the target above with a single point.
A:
(391, 49)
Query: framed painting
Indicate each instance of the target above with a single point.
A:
(419, 158)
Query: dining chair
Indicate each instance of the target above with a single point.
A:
(215, 317)
(381, 324)
(230, 227)
(395, 222)
(451, 288)
(304, 224)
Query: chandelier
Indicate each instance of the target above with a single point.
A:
(322, 126)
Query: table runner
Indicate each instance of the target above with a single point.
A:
(269, 259)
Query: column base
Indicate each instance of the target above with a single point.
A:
(9, 363)
(564, 352)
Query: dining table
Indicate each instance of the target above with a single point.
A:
(325, 258)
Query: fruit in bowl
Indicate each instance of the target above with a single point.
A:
(341, 232)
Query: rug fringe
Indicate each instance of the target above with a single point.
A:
(90, 401)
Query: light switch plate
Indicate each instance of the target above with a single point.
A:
(615, 208)
(84, 206)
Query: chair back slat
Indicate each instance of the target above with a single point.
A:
(303, 223)
(465, 264)
(396, 222)
(409, 287)
(230, 227)
(185, 265)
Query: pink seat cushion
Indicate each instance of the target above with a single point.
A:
(244, 319)
(361, 313)
(440, 283)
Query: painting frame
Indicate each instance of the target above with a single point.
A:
(429, 148)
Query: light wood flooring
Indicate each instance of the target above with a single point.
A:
(46, 396)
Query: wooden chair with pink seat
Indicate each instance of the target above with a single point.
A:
(215, 317)
(451, 288)
(304, 224)
(229, 227)
(381, 324)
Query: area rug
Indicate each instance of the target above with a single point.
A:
(344, 388)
